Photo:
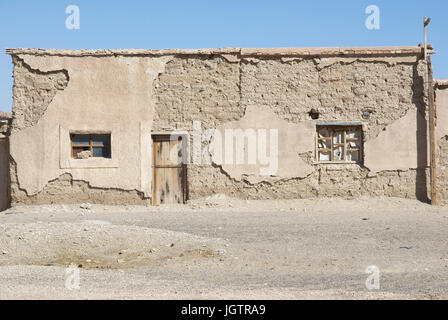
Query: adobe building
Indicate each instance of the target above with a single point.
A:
(165, 126)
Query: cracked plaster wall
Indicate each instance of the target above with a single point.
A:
(161, 93)
(87, 93)
(283, 90)
(441, 97)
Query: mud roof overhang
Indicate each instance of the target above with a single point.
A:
(243, 52)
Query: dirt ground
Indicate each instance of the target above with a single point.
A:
(220, 248)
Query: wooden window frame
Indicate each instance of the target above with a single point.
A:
(337, 128)
(90, 145)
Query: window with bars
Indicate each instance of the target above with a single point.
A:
(339, 144)
(85, 146)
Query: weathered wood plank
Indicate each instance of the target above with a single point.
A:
(168, 183)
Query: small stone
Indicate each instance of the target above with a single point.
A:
(5, 252)
(86, 206)
(171, 245)
(88, 260)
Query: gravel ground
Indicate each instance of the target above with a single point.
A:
(220, 248)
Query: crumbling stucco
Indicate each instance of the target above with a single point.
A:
(33, 92)
(348, 181)
(401, 137)
(197, 88)
(140, 91)
(282, 140)
(442, 168)
(102, 93)
(441, 99)
(341, 90)
(65, 189)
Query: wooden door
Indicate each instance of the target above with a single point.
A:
(168, 170)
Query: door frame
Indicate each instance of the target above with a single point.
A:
(185, 160)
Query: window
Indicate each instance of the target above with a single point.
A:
(85, 146)
(336, 143)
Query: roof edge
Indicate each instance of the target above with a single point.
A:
(249, 52)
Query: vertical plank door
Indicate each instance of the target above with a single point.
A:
(168, 170)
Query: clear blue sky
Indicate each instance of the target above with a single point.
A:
(209, 23)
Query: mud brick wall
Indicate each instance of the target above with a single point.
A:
(175, 88)
(441, 98)
(290, 88)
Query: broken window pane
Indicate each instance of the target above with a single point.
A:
(338, 153)
(352, 144)
(338, 137)
(324, 144)
(343, 143)
(324, 133)
(324, 156)
(351, 133)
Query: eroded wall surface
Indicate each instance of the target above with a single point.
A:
(286, 89)
(134, 95)
(441, 97)
(53, 95)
